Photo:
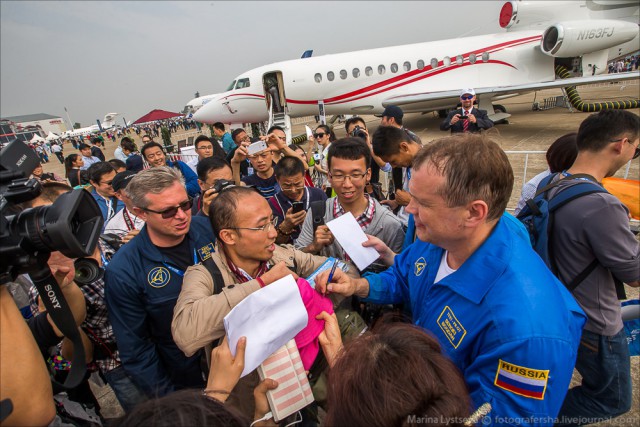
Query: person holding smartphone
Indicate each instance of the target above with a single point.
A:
(291, 203)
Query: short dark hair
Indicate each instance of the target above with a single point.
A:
(210, 164)
(350, 149)
(129, 145)
(51, 190)
(180, 409)
(274, 127)
(83, 146)
(125, 138)
(219, 125)
(289, 166)
(562, 153)
(237, 132)
(117, 163)
(97, 170)
(386, 140)
(96, 141)
(474, 167)
(200, 139)
(146, 136)
(148, 145)
(222, 213)
(600, 129)
(352, 120)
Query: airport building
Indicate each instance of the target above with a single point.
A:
(46, 122)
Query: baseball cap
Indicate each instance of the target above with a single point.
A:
(307, 339)
(468, 91)
(134, 163)
(121, 180)
(392, 111)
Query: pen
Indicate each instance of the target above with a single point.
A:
(333, 270)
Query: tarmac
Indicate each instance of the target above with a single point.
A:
(527, 130)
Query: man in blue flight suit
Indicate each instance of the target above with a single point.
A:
(144, 279)
(473, 281)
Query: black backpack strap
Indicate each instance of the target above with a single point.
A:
(212, 268)
(317, 213)
(583, 275)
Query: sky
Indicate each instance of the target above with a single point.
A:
(131, 57)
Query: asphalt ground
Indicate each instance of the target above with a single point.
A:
(527, 130)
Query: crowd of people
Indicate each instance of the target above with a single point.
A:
(457, 314)
(623, 65)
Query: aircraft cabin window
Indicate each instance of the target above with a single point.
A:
(472, 58)
(368, 71)
(420, 64)
(242, 83)
(381, 69)
(231, 86)
(394, 68)
(446, 61)
(343, 74)
(459, 59)
(434, 63)
(356, 72)
(331, 76)
(318, 77)
(485, 56)
(407, 66)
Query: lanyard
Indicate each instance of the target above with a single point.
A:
(408, 174)
(127, 219)
(177, 270)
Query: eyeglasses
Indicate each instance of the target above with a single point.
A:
(636, 154)
(466, 97)
(171, 212)
(319, 135)
(245, 138)
(262, 155)
(297, 186)
(266, 228)
(107, 183)
(355, 177)
(205, 147)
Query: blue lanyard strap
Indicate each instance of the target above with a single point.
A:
(177, 270)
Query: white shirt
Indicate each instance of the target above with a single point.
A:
(117, 225)
(118, 154)
(193, 164)
(444, 270)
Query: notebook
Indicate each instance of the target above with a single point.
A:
(293, 392)
(326, 266)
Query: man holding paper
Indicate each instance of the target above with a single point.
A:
(247, 259)
(348, 164)
(476, 284)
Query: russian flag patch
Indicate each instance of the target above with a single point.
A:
(523, 381)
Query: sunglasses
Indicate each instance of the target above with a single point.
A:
(106, 182)
(466, 97)
(171, 212)
(319, 135)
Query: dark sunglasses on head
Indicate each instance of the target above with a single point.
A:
(171, 212)
(319, 135)
(466, 97)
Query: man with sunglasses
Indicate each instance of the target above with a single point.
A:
(468, 118)
(595, 227)
(101, 176)
(144, 278)
(247, 259)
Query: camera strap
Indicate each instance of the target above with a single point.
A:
(57, 307)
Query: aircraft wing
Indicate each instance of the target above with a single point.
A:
(417, 98)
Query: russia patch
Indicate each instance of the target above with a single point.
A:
(520, 380)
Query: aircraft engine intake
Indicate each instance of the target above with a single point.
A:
(576, 38)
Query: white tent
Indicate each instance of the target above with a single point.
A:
(37, 138)
(52, 136)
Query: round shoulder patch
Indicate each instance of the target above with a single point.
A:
(158, 277)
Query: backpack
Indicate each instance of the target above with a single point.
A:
(538, 218)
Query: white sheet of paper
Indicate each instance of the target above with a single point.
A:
(348, 233)
(269, 318)
(309, 133)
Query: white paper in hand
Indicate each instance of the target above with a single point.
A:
(309, 133)
(348, 233)
(269, 318)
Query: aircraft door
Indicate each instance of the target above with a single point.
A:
(274, 91)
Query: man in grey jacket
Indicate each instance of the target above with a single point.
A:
(349, 172)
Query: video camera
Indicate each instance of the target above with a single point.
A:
(359, 132)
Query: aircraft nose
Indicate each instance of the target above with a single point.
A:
(208, 113)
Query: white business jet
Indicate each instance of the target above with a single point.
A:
(539, 36)
(108, 122)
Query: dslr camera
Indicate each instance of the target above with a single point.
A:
(359, 132)
(222, 184)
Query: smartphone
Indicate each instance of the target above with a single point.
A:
(297, 207)
(256, 147)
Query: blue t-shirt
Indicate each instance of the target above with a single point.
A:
(267, 187)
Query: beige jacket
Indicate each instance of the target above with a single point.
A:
(197, 316)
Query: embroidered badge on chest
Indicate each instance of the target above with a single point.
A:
(451, 327)
(206, 251)
(419, 266)
(523, 381)
(158, 277)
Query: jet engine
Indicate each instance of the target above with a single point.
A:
(576, 38)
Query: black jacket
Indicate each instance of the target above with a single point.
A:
(482, 121)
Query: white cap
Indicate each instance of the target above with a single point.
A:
(469, 91)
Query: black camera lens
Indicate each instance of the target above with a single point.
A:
(87, 271)
(359, 132)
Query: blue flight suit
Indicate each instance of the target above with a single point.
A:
(142, 288)
(190, 177)
(506, 322)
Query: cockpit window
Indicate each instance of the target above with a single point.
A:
(233, 83)
(242, 83)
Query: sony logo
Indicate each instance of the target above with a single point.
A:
(595, 33)
(21, 160)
